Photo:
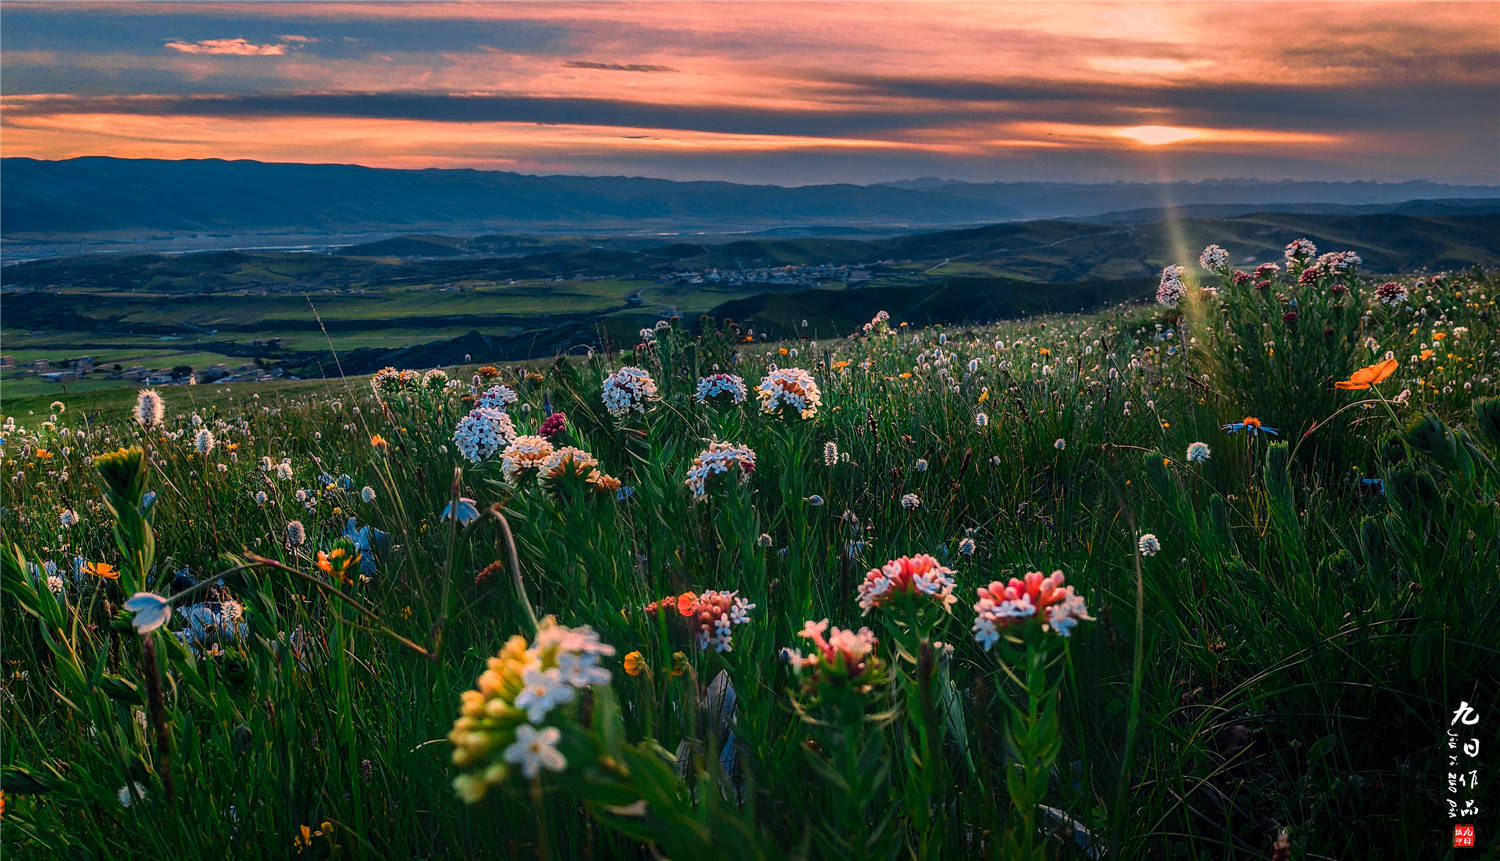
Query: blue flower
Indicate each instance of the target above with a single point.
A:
(464, 511)
(1250, 425)
(1373, 482)
(624, 493)
(212, 624)
(147, 501)
(371, 543)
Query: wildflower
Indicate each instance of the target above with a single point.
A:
(378, 442)
(497, 397)
(919, 575)
(567, 466)
(981, 420)
(634, 663)
(1149, 545)
(284, 471)
(151, 611)
(463, 510)
(843, 656)
(126, 798)
(367, 494)
(523, 457)
(1214, 259)
(260, 497)
(102, 570)
(553, 426)
(1171, 289)
(1391, 293)
(435, 380)
(1368, 376)
(339, 563)
(719, 458)
(789, 392)
(911, 501)
(204, 441)
(536, 749)
(482, 433)
(966, 547)
(1250, 425)
(1059, 443)
(1002, 606)
(67, 517)
(1198, 452)
(149, 408)
(728, 386)
(710, 616)
(628, 390)
(522, 682)
(296, 533)
(920, 465)
(830, 453)
(1299, 251)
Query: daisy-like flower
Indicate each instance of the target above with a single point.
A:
(1250, 425)
(523, 457)
(497, 397)
(1005, 605)
(149, 408)
(710, 616)
(523, 685)
(1214, 259)
(204, 441)
(720, 458)
(1198, 452)
(721, 387)
(628, 390)
(913, 576)
(1171, 289)
(1149, 545)
(789, 392)
(482, 433)
(535, 750)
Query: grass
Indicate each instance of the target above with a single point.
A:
(1289, 661)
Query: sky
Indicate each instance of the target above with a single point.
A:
(770, 92)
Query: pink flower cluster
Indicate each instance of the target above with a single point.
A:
(919, 575)
(1005, 605)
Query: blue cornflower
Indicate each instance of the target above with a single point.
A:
(1250, 425)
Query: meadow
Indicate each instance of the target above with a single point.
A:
(1209, 578)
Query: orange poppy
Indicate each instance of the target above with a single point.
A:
(1368, 376)
(634, 663)
(1426, 354)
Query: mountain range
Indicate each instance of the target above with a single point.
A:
(95, 198)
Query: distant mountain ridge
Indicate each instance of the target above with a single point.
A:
(75, 199)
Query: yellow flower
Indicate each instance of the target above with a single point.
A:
(634, 663)
(102, 569)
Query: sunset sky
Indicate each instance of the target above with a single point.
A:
(771, 92)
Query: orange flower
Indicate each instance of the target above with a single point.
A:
(634, 663)
(685, 603)
(1438, 336)
(1426, 354)
(102, 569)
(1368, 376)
(378, 441)
(43, 454)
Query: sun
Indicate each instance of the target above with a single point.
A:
(1157, 135)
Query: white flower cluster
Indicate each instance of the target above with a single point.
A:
(1198, 452)
(1300, 251)
(1214, 259)
(721, 385)
(788, 391)
(497, 397)
(482, 433)
(1171, 289)
(524, 456)
(628, 390)
(718, 459)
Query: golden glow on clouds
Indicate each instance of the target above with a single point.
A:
(968, 80)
